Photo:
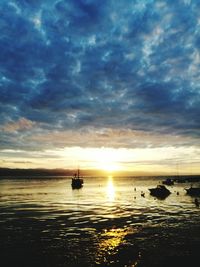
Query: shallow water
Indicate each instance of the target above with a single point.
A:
(106, 223)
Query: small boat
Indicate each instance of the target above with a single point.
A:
(77, 182)
(193, 191)
(160, 191)
(168, 181)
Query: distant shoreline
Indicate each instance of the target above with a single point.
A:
(35, 172)
(69, 172)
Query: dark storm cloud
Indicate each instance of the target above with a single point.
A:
(114, 64)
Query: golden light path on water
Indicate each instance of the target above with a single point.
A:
(110, 240)
(110, 189)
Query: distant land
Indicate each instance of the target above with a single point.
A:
(39, 172)
(47, 172)
(9, 172)
(6, 172)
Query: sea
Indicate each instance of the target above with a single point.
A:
(110, 221)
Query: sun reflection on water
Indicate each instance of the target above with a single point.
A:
(110, 189)
(112, 239)
(110, 242)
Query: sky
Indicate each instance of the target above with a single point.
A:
(113, 85)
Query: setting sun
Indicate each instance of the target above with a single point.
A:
(107, 160)
(108, 165)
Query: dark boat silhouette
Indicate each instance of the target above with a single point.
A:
(160, 191)
(77, 182)
(193, 191)
(168, 181)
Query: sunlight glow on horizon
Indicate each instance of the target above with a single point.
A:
(109, 160)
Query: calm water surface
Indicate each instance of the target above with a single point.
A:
(106, 223)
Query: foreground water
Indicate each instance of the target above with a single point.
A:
(106, 223)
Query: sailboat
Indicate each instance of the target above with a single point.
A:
(77, 181)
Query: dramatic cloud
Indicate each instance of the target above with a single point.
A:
(81, 69)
